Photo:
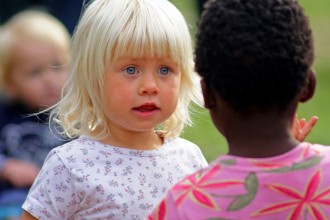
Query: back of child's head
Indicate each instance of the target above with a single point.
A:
(110, 30)
(255, 53)
(26, 27)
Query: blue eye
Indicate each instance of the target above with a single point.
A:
(130, 70)
(164, 70)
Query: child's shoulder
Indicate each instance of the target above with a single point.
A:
(79, 149)
(180, 140)
(79, 143)
(185, 147)
(319, 149)
(181, 143)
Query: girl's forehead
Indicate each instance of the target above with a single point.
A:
(165, 58)
(144, 47)
(160, 59)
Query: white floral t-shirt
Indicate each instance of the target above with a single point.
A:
(85, 179)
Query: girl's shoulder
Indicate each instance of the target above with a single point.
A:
(184, 147)
(318, 149)
(181, 142)
(81, 144)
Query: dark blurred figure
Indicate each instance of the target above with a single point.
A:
(67, 11)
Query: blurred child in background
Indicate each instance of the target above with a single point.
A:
(34, 55)
(255, 72)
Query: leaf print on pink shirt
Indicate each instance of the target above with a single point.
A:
(193, 187)
(309, 202)
(251, 185)
(282, 168)
(306, 161)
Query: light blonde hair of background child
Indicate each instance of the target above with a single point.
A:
(114, 29)
(32, 25)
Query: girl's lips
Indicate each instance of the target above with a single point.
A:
(146, 110)
(146, 107)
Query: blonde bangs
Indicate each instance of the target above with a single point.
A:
(140, 40)
(139, 36)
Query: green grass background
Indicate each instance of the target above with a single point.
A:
(206, 136)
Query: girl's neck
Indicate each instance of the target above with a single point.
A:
(256, 133)
(146, 140)
(263, 146)
(260, 137)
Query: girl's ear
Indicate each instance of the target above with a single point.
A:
(309, 89)
(209, 98)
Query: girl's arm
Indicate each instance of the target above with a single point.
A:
(27, 216)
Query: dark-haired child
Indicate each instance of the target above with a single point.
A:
(255, 58)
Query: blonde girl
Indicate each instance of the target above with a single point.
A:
(126, 101)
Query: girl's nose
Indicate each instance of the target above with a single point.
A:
(148, 84)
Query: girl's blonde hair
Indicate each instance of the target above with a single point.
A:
(32, 25)
(114, 29)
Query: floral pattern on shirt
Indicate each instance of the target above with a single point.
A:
(291, 186)
(86, 179)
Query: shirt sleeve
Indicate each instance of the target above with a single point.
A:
(203, 161)
(52, 196)
(199, 158)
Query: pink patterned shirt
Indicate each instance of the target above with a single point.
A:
(294, 185)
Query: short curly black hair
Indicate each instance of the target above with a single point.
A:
(254, 53)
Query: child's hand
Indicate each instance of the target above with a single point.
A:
(19, 173)
(300, 128)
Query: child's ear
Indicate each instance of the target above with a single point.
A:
(209, 98)
(309, 89)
